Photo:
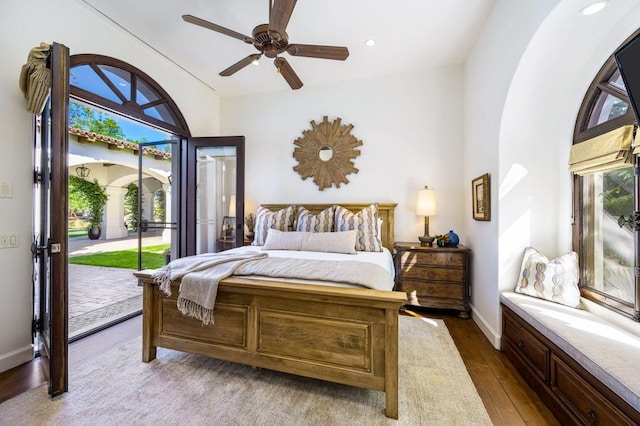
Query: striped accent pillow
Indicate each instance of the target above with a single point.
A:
(321, 222)
(365, 222)
(282, 220)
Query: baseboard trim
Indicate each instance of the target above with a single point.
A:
(492, 335)
(16, 358)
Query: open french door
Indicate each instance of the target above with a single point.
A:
(50, 226)
(213, 195)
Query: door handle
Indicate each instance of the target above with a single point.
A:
(38, 250)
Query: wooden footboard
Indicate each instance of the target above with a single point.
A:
(342, 335)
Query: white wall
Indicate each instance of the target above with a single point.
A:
(23, 25)
(488, 73)
(547, 54)
(410, 126)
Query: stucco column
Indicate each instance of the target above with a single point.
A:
(147, 205)
(113, 224)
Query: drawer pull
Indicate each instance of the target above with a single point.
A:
(520, 344)
(431, 274)
(593, 417)
(431, 290)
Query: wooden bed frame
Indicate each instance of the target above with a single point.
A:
(343, 335)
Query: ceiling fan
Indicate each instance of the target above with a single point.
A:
(271, 40)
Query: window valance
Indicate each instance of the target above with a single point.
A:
(606, 152)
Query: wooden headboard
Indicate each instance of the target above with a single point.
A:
(386, 212)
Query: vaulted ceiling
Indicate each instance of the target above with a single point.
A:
(410, 35)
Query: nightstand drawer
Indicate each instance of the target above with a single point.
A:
(440, 290)
(409, 258)
(428, 273)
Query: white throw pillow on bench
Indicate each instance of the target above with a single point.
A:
(554, 280)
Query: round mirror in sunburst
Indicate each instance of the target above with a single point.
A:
(326, 153)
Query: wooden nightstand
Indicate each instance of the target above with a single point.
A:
(434, 277)
(228, 243)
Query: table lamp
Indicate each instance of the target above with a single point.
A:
(426, 206)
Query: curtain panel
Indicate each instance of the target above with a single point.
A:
(35, 78)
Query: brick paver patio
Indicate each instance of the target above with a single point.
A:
(99, 295)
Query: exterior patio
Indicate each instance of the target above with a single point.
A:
(100, 295)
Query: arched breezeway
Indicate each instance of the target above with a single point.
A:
(114, 164)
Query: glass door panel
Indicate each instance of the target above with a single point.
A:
(215, 198)
(214, 188)
(157, 207)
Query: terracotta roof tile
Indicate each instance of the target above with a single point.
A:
(91, 136)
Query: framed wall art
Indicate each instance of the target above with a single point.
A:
(480, 198)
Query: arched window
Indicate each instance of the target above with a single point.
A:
(122, 88)
(605, 194)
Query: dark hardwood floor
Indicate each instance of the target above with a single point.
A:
(506, 396)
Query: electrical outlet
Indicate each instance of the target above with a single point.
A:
(9, 240)
(6, 190)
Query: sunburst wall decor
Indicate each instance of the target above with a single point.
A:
(326, 153)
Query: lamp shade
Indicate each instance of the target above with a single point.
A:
(232, 206)
(426, 204)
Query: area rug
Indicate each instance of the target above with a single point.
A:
(183, 389)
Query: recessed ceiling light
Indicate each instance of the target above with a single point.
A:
(594, 7)
(370, 42)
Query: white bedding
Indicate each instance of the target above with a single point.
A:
(382, 259)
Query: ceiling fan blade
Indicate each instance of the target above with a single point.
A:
(280, 14)
(288, 73)
(240, 64)
(315, 51)
(217, 28)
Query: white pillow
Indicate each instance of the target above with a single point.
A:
(326, 242)
(555, 280)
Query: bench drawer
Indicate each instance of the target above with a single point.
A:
(587, 404)
(528, 347)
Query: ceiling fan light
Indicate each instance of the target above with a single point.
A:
(255, 62)
(594, 7)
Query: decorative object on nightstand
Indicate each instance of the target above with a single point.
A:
(434, 277)
(250, 221)
(450, 239)
(454, 240)
(229, 221)
(426, 206)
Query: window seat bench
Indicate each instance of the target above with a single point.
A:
(584, 368)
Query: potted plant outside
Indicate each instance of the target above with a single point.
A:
(94, 199)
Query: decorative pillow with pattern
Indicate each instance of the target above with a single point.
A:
(321, 222)
(365, 222)
(282, 220)
(555, 280)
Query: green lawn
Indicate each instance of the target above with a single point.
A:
(152, 258)
(77, 232)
